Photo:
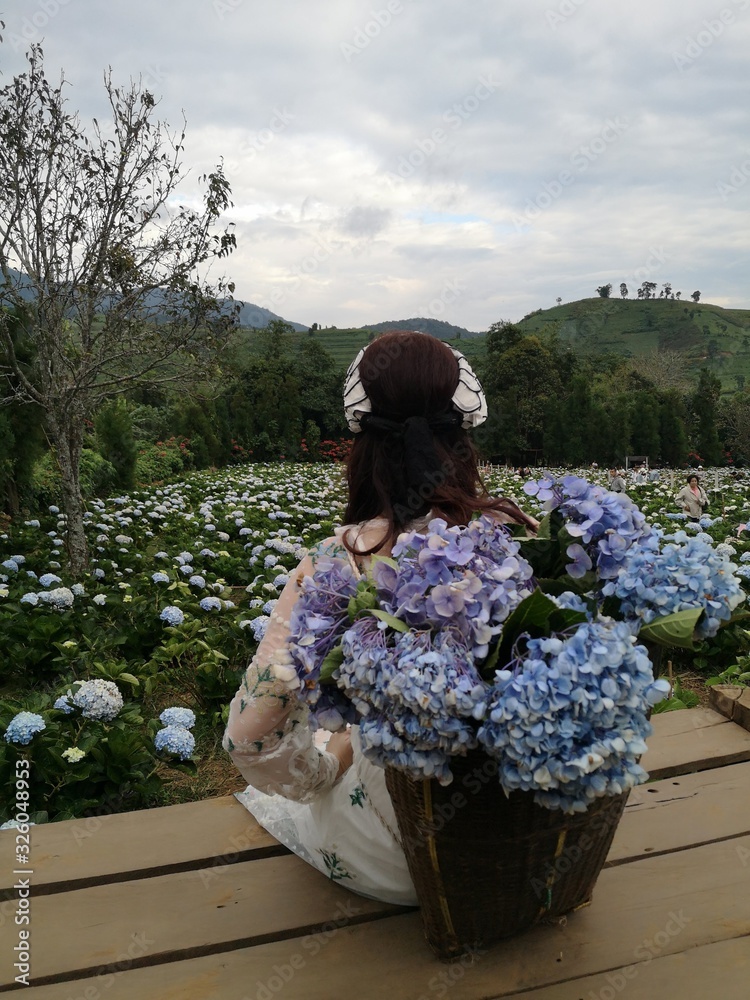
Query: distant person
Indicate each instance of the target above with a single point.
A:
(692, 498)
(654, 476)
(616, 482)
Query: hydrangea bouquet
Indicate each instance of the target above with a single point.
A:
(531, 648)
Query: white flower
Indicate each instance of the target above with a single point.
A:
(73, 754)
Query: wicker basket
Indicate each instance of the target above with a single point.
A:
(486, 865)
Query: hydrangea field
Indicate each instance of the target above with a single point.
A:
(182, 580)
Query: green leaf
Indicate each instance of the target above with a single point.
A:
(129, 679)
(544, 531)
(673, 630)
(563, 618)
(531, 616)
(331, 663)
(533, 612)
(386, 559)
(395, 623)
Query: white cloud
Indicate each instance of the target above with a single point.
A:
(476, 160)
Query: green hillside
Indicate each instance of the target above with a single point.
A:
(342, 345)
(708, 336)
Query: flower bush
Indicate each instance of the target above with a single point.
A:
(222, 527)
(526, 646)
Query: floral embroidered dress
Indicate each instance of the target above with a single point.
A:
(345, 827)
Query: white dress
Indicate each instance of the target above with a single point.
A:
(345, 827)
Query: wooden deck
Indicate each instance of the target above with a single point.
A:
(194, 902)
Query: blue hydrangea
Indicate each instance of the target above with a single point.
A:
(61, 598)
(11, 565)
(259, 626)
(184, 717)
(63, 705)
(569, 720)
(23, 727)
(160, 578)
(270, 561)
(196, 580)
(47, 579)
(176, 740)
(30, 598)
(686, 573)
(172, 615)
(210, 604)
(473, 577)
(604, 524)
(98, 699)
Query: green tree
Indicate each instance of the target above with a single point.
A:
(501, 337)
(604, 291)
(519, 383)
(673, 419)
(115, 440)
(91, 231)
(645, 422)
(321, 385)
(705, 412)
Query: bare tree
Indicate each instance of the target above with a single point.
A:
(108, 274)
(664, 369)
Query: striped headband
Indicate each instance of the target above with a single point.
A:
(468, 399)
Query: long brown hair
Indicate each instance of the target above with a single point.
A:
(406, 376)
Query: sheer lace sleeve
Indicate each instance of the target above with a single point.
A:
(267, 734)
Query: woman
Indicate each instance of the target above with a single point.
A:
(692, 498)
(410, 400)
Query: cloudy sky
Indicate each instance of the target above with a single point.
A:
(466, 161)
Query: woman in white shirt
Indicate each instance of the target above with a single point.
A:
(410, 401)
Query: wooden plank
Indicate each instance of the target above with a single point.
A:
(189, 913)
(82, 852)
(684, 748)
(651, 909)
(174, 838)
(682, 812)
(742, 709)
(722, 698)
(667, 724)
(719, 970)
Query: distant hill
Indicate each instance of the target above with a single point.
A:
(258, 317)
(708, 336)
(437, 327)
